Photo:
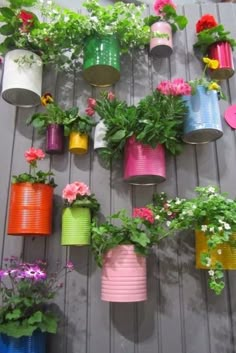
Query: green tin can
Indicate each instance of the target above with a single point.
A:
(76, 226)
(101, 65)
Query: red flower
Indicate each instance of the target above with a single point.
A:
(110, 96)
(92, 102)
(34, 154)
(27, 19)
(89, 111)
(144, 213)
(206, 22)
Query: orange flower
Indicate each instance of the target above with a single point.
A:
(46, 99)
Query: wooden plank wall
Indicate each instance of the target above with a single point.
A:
(181, 315)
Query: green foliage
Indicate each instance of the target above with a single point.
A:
(135, 231)
(88, 201)
(210, 36)
(38, 178)
(169, 15)
(210, 212)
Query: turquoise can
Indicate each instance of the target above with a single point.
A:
(101, 66)
(203, 121)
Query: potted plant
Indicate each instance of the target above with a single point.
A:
(30, 43)
(121, 250)
(216, 43)
(25, 317)
(80, 206)
(212, 216)
(162, 25)
(31, 199)
(203, 121)
(141, 132)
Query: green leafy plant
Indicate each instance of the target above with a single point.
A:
(136, 230)
(34, 177)
(26, 289)
(210, 212)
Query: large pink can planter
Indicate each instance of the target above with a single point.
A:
(222, 52)
(124, 275)
(144, 165)
(161, 47)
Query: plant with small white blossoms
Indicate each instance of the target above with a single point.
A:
(210, 212)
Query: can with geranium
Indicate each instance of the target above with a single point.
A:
(80, 206)
(25, 316)
(31, 199)
(162, 25)
(216, 43)
(121, 251)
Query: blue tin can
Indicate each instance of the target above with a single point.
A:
(25, 344)
(203, 121)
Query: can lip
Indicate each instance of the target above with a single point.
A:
(202, 136)
(101, 75)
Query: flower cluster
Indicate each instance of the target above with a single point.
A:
(27, 19)
(32, 155)
(159, 6)
(177, 87)
(74, 190)
(206, 22)
(25, 290)
(144, 213)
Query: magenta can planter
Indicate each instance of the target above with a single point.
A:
(222, 52)
(124, 275)
(54, 139)
(161, 47)
(143, 164)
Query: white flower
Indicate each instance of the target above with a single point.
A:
(204, 228)
(66, 18)
(211, 189)
(220, 228)
(211, 272)
(194, 207)
(219, 251)
(227, 226)
(49, 2)
(220, 221)
(212, 229)
(169, 213)
(94, 19)
(168, 223)
(157, 217)
(190, 213)
(178, 201)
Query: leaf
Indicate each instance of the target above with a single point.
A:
(7, 13)
(118, 136)
(35, 318)
(15, 314)
(7, 30)
(140, 238)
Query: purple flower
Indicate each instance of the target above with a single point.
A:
(70, 266)
(34, 272)
(3, 274)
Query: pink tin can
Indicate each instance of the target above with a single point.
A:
(161, 47)
(222, 52)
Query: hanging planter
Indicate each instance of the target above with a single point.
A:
(203, 120)
(22, 82)
(144, 164)
(54, 139)
(25, 344)
(223, 253)
(124, 276)
(99, 135)
(78, 143)
(101, 65)
(161, 42)
(76, 226)
(222, 51)
(30, 209)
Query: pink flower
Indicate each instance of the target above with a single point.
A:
(92, 102)
(110, 96)
(159, 4)
(144, 213)
(34, 154)
(164, 87)
(90, 111)
(82, 188)
(70, 266)
(177, 87)
(70, 192)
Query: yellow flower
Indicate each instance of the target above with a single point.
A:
(214, 86)
(46, 99)
(211, 63)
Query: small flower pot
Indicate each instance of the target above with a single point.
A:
(30, 209)
(223, 253)
(78, 143)
(203, 121)
(54, 139)
(161, 47)
(99, 135)
(25, 344)
(124, 277)
(144, 164)
(101, 66)
(22, 84)
(222, 52)
(76, 226)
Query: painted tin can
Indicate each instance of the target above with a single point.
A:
(124, 275)
(78, 143)
(203, 121)
(76, 226)
(101, 66)
(222, 52)
(25, 344)
(143, 164)
(161, 47)
(99, 135)
(22, 84)
(54, 139)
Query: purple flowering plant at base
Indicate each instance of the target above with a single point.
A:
(26, 289)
